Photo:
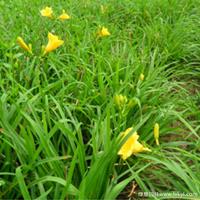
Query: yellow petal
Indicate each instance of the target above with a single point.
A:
(53, 43)
(127, 131)
(131, 146)
(23, 45)
(127, 148)
(64, 16)
(138, 147)
(47, 12)
(52, 37)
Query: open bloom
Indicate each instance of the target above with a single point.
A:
(131, 146)
(156, 133)
(103, 32)
(53, 43)
(64, 16)
(47, 12)
(23, 45)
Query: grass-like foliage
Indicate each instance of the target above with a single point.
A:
(64, 102)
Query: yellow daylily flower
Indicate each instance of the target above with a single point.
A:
(156, 133)
(47, 12)
(103, 32)
(120, 100)
(23, 45)
(53, 43)
(141, 77)
(64, 16)
(131, 146)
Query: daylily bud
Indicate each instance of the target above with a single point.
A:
(103, 9)
(156, 133)
(23, 45)
(141, 76)
(120, 100)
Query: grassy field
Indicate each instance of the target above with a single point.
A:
(62, 112)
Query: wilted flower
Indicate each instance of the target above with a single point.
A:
(131, 146)
(103, 32)
(141, 77)
(64, 16)
(53, 43)
(156, 133)
(47, 12)
(23, 45)
(120, 100)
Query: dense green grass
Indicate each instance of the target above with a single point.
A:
(59, 122)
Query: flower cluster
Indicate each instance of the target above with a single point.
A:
(48, 12)
(131, 146)
(54, 41)
(122, 102)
